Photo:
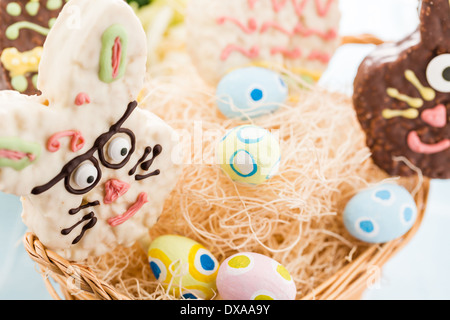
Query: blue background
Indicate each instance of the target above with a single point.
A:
(420, 271)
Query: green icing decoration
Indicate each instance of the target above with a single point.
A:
(14, 9)
(12, 33)
(18, 145)
(34, 80)
(54, 4)
(106, 59)
(140, 3)
(32, 8)
(19, 83)
(51, 22)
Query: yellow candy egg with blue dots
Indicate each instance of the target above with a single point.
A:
(249, 154)
(184, 267)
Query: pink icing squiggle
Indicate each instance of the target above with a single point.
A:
(320, 56)
(277, 5)
(250, 28)
(300, 29)
(299, 7)
(293, 54)
(77, 142)
(322, 11)
(273, 24)
(251, 53)
(16, 155)
(142, 199)
(114, 189)
(416, 145)
(251, 4)
(116, 57)
(82, 98)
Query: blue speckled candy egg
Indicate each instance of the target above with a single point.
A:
(250, 92)
(380, 214)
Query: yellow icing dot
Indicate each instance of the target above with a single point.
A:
(284, 273)
(239, 262)
(263, 297)
(21, 63)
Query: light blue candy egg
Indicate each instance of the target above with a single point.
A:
(380, 214)
(250, 92)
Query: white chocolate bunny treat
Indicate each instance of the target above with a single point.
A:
(300, 35)
(93, 169)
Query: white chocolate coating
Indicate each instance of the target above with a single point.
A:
(66, 71)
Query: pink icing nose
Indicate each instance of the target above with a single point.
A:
(436, 117)
(114, 189)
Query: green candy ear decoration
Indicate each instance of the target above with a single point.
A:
(113, 54)
(18, 154)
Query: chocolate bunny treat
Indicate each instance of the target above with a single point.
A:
(24, 25)
(93, 169)
(300, 35)
(402, 97)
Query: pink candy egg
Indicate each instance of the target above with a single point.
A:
(252, 276)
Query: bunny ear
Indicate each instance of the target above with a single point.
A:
(435, 24)
(95, 52)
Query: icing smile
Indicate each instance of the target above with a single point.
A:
(118, 220)
(416, 144)
(114, 190)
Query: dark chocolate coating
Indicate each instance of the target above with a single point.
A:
(385, 68)
(28, 39)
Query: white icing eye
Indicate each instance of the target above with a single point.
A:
(438, 73)
(118, 149)
(86, 175)
(240, 264)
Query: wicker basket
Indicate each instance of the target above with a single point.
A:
(349, 283)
